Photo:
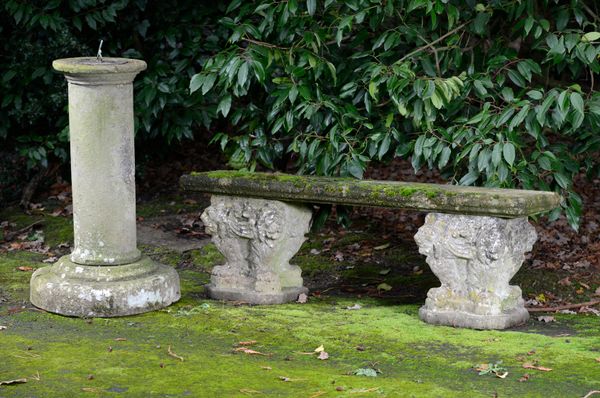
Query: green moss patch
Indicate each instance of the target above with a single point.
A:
(361, 329)
(131, 355)
(57, 230)
(15, 271)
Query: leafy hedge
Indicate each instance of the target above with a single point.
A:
(171, 36)
(499, 93)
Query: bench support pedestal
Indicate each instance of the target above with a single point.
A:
(258, 237)
(474, 257)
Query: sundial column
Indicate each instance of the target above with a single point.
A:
(105, 275)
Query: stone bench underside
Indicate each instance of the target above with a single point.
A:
(473, 255)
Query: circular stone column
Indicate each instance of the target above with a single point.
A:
(105, 275)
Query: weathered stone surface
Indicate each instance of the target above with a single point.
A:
(68, 288)
(105, 274)
(258, 237)
(506, 203)
(474, 257)
(102, 158)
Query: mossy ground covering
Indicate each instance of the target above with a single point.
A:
(69, 357)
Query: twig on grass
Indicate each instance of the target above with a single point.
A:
(589, 394)
(564, 307)
(15, 381)
(11, 235)
(171, 353)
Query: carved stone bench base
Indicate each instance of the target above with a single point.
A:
(474, 257)
(516, 316)
(253, 297)
(258, 238)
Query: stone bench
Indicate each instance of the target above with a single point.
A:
(474, 238)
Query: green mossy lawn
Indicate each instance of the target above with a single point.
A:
(138, 356)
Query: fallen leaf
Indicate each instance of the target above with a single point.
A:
(320, 348)
(368, 372)
(56, 212)
(15, 381)
(302, 298)
(120, 339)
(362, 390)
(90, 389)
(384, 271)
(266, 368)
(598, 359)
(248, 351)
(250, 391)
(546, 318)
(25, 268)
(565, 281)
(590, 310)
(532, 366)
(384, 286)
(541, 298)
(482, 367)
(525, 377)
(382, 247)
(16, 246)
(323, 356)
(492, 368)
(246, 343)
(314, 252)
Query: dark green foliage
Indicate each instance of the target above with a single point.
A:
(495, 93)
(170, 36)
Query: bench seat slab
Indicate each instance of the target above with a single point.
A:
(258, 238)
(495, 202)
(475, 258)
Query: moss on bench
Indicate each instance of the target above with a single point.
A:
(507, 203)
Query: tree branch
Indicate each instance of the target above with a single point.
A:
(429, 45)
